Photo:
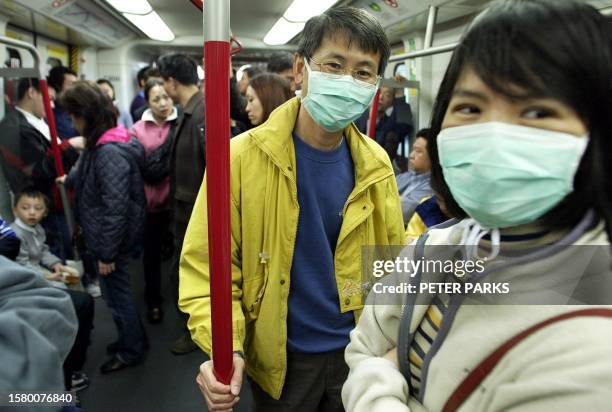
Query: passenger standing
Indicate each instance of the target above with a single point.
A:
(265, 93)
(239, 119)
(110, 205)
(307, 192)
(124, 118)
(152, 131)
(60, 78)
(245, 76)
(520, 149)
(393, 124)
(281, 63)
(150, 73)
(139, 100)
(187, 161)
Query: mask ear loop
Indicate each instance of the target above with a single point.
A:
(473, 234)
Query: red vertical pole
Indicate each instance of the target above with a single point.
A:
(373, 113)
(216, 78)
(44, 88)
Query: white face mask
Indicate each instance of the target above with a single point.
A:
(505, 175)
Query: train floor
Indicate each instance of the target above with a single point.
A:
(163, 382)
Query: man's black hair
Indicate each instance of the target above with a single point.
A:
(106, 81)
(356, 24)
(56, 77)
(140, 76)
(24, 85)
(180, 67)
(253, 71)
(280, 61)
(423, 134)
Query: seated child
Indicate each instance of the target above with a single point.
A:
(30, 208)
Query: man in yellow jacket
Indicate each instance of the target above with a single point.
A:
(307, 192)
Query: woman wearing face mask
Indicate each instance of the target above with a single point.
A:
(265, 93)
(152, 131)
(522, 161)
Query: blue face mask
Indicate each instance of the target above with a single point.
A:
(336, 101)
(504, 175)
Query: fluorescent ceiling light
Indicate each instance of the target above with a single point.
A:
(294, 19)
(152, 25)
(131, 6)
(282, 32)
(302, 10)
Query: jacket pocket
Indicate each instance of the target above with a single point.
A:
(253, 290)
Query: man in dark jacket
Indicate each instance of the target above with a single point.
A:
(187, 162)
(393, 124)
(27, 159)
(60, 78)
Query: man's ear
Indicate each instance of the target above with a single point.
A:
(32, 92)
(298, 69)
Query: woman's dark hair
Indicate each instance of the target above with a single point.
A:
(86, 100)
(104, 81)
(357, 24)
(542, 48)
(151, 83)
(272, 91)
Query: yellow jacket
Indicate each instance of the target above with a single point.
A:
(264, 215)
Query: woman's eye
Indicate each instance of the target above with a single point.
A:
(537, 113)
(466, 109)
(333, 66)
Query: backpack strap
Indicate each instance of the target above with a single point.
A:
(405, 337)
(478, 374)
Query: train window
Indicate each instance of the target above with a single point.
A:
(400, 68)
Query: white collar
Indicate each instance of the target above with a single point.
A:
(147, 116)
(38, 123)
(25, 226)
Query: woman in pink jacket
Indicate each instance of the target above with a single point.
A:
(152, 131)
